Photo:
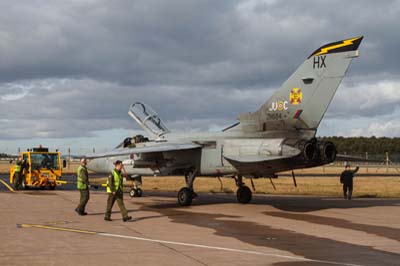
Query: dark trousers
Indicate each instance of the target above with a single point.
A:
(119, 197)
(17, 180)
(347, 191)
(84, 200)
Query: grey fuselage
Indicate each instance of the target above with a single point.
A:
(210, 159)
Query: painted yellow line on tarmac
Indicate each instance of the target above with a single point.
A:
(7, 186)
(61, 182)
(56, 228)
(243, 251)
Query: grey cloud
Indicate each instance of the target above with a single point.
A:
(83, 62)
(68, 108)
(364, 98)
(175, 42)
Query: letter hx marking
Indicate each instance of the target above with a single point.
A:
(319, 61)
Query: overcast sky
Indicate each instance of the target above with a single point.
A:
(69, 69)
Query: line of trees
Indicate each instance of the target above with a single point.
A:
(375, 147)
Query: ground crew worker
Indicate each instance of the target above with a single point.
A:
(82, 176)
(24, 169)
(115, 192)
(18, 174)
(346, 178)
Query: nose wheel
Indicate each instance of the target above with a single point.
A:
(136, 192)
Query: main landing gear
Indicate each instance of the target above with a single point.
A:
(243, 193)
(187, 194)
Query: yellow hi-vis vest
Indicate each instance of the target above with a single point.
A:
(117, 184)
(80, 183)
(18, 167)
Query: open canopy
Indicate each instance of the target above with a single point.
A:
(148, 119)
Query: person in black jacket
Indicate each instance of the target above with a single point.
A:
(346, 178)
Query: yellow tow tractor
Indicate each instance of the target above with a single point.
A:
(40, 168)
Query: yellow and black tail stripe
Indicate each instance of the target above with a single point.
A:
(339, 47)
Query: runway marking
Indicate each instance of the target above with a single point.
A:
(7, 186)
(57, 228)
(243, 251)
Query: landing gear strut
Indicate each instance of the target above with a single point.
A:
(243, 193)
(136, 191)
(187, 194)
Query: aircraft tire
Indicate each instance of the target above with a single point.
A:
(185, 197)
(244, 194)
(132, 193)
(136, 192)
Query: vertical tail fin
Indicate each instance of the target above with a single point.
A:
(302, 100)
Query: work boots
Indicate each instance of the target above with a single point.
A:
(349, 196)
(79, 212)
(128, 218)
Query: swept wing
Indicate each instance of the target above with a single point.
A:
(150, 148)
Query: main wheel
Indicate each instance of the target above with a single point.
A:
(185, 197)
(132, 192)
(139, 192)
(244, 194)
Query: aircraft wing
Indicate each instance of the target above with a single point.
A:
(153, 148)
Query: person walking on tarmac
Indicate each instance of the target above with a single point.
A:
(346, 178)
(82, 176)
(115, 192)
(18, 174)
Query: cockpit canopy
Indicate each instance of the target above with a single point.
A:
(148, 119)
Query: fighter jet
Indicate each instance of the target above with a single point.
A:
(279, 136)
